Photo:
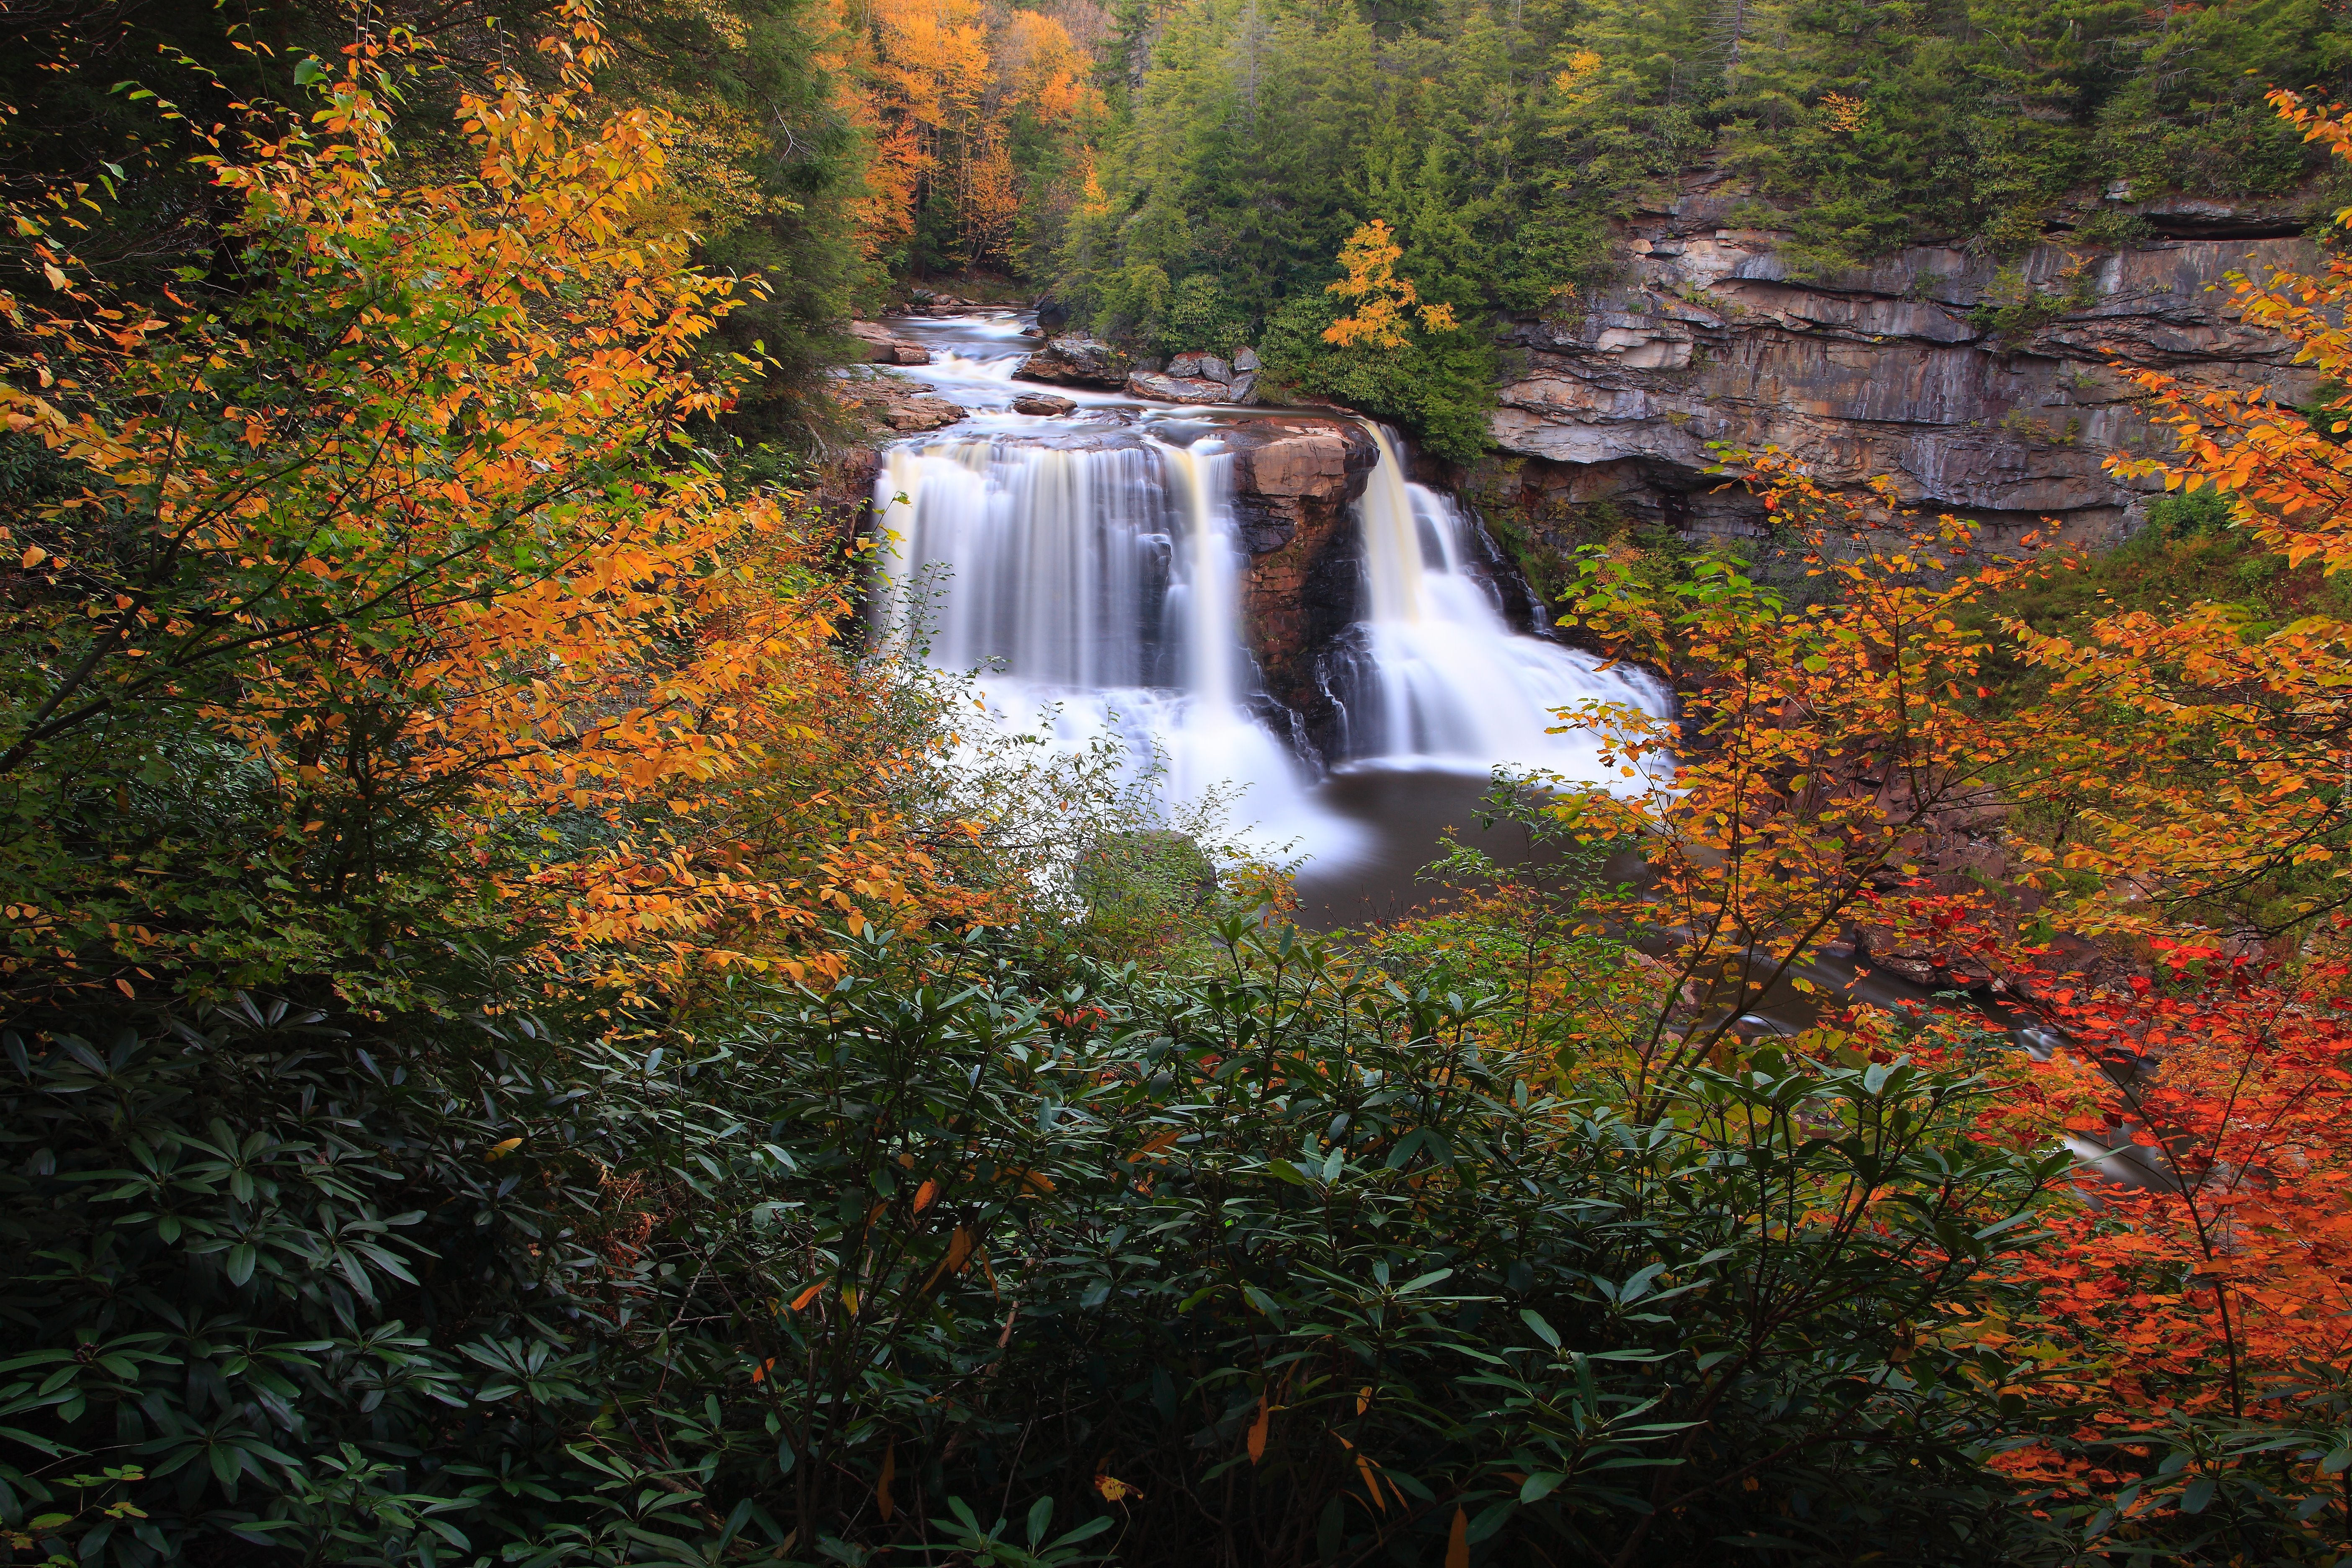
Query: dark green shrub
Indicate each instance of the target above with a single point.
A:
(1440, 386)
(1295, 1254)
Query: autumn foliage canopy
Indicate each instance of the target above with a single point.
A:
(415, 534)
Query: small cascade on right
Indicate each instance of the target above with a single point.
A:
(1433, 676)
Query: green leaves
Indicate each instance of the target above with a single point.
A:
(1290, 1228)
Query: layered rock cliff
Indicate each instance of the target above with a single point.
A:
(1979, 389)
(1293, 479)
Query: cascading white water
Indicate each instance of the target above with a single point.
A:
(1434, 675)
(1096, 587)
(1090, 571)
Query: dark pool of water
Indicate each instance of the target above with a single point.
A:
(1407, 815)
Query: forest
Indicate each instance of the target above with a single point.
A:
(530, 1037)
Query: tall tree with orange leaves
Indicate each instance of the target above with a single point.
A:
(392, 595)
(943, 88)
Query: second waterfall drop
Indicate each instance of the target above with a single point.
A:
(1432, 675)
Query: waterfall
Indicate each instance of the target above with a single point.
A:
(1094, 577)
(1432, 675)
(1096, 585)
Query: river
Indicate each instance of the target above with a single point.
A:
(1086, 567)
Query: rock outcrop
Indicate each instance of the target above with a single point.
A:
(921, 412)
(1201, 367)
(1977, 389)
(890, 400)
(1162, 388)
(1043, 403)
(1076, 362)
(1294, 479)
(1200, 378)
(884, 346)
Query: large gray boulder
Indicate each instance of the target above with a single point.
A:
(1177, 388)
(1199, 367)
(1076, 362)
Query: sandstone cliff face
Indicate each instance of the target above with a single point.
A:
(1293, 479)
(1904, 370)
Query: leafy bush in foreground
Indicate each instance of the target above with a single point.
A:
(1281, 1264)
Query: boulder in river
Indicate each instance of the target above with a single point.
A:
(1177, 388)
(1076, 362)
(884, 346)
(1199, 367)
(1043, 403)
(919, 411)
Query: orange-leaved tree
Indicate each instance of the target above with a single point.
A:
(2198, 1291)
(1830, 751)
(940, 89)
(2202, 1288)
(1381, 305)
(378, 585)
(1825, 752)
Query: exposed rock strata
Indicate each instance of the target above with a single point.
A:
(1905, 369)
(1293, 479)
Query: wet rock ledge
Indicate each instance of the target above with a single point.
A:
(1295, 476)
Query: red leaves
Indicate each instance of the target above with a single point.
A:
(2211, 1258)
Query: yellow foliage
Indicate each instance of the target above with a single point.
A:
(433, 548)
(936, 85)
(1384, 303)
